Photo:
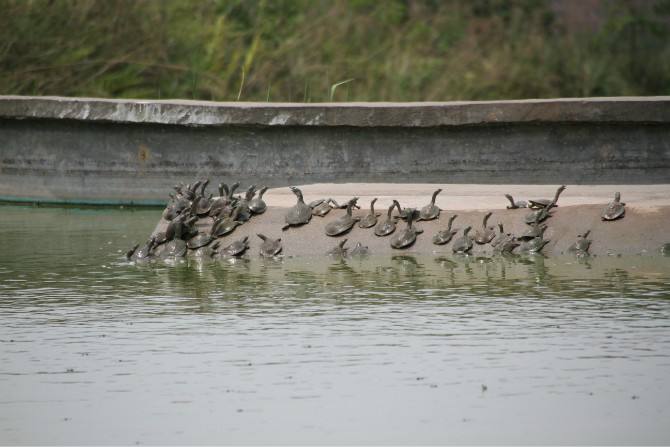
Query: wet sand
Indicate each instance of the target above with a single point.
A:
(643, 230)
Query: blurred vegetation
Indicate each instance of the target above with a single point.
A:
(315, 50)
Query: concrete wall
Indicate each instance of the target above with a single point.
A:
(112, 151)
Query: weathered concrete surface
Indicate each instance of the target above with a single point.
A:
(643, 230)
(131, 152)
(375, 114)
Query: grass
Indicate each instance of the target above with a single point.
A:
(305, 50)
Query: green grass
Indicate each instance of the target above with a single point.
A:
(312, 50)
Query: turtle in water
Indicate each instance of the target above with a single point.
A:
(535, 244)
(463, 244)
(338, 250)
(486, 234)
(144, 253)
(176, 247)
(370, 219)
(581, 247)
(386, 227)
(407, 236)
(430, 211)
(300, 213)
(343, 223)
(614, 209)
(225, 225)
(237, 248)
(506, 245)
(534, 231)
(322, 208)
(665, 249)
(444, 236)
(515, 204)
(359, 250)
(498, 237)
(544, 203)
(257, 205)
(207, 251)
(269, 247)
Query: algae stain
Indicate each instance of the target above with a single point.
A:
(143, 153)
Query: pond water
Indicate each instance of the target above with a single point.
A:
(381, 350)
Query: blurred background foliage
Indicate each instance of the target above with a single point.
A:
(298, 50)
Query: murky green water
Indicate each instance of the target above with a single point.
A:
(384, 350)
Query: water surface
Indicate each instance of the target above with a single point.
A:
(384, 350)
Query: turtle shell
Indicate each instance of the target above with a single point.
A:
(462, 244)
(615, 209)
(321, 209)
(299, 214)
(199, 240)
(237, 248)
(176, 248)
(404, 238)
(340, 225)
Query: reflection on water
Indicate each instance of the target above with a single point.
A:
(383, 349)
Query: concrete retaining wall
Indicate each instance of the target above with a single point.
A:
(113, 151)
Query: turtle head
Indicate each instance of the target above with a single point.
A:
(262, 236)
(435, 195)
(297, 192)
(617, 196)
(262, 191)
(466, 230)
(342, 242)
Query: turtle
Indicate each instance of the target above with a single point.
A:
(665, 249)
(176, 247)
(538, 215)
(245, 213)
(343, 223)
(370, 219)
(463, 244)
(199, 240)
(498, 237)
(300, 213)
(444, 236)
(386, 227)
(614, 209)
(544, 203)
(486, 234)
(322, 208)
(237, 248)
(269, 247)
(506, 245)
(402, 212)
(225, 225)
(535, 244)
(257, 204)
(207, 251)
(204, 203)
(359, 250)
(338, 250)
(534, 231)
(407, 236)
(144, 253)
(344, 205)
(581, 246)
(218, 203)
(430, 211)
(515, 205)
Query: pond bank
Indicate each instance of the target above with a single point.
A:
(643, 230)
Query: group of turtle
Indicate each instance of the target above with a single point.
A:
(189, 206)
(301, 213)
(530, 241)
